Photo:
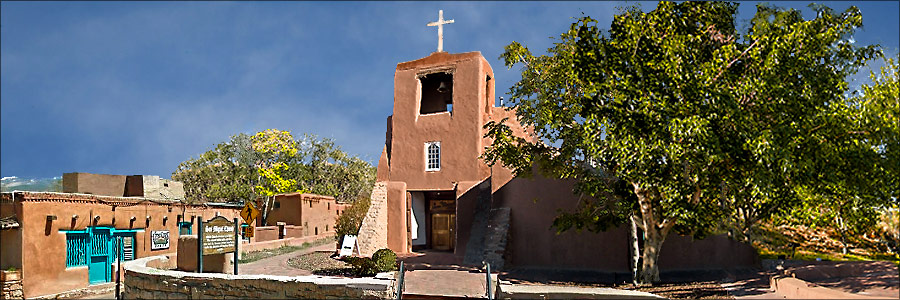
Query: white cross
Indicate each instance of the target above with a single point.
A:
(440, 25)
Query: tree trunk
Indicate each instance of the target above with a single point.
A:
(635, 251)
(265, 212)
(656, 227)
(842, 230)
(653, 240)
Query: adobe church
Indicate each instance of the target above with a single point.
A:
(433, 191)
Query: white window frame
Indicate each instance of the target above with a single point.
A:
(428, 167)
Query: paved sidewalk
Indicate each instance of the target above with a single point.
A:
(277, 265)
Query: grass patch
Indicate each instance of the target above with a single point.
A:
(248, 257)
(321, 263)
(813, 255)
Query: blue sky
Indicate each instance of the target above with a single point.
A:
(138, 87)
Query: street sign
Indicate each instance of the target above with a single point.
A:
(218, 236)
(249, 213)
(247, 231)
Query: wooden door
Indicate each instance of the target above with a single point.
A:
(442, 232)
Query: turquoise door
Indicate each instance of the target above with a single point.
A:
(100, 266)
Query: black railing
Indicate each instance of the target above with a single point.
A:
(400, 283)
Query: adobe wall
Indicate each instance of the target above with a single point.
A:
(319, 214)
(396, 217)
(316, 214)
(44, 244)
(269, 233)
(10, 239)
(144, 282)
(714, 252)
(186, 259)
(96, 184)
(466, 201)
(458, 131)
(299, 241)
(289, 210)
(535, 203)
(11, 243)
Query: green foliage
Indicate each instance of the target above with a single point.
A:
(674, 118)
(348, 223)
(385, 260)
(362, 266)
(271, 162)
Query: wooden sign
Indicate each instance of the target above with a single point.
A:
(218, 236)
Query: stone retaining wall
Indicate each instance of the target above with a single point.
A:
(144, 282)
(373, 230)
(12, 289)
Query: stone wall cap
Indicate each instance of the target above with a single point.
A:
(140, 266)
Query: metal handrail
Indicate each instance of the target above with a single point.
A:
(400, 282)
(490, 295)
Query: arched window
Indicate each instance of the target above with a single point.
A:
(433, 156)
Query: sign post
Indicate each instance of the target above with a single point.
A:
(199, 244)
(237, 242)
(119, 252)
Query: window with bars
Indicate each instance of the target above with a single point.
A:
(184, 228)
(127, 246)
(433, 156)
(76, 249)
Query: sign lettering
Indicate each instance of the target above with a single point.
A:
(218, 236)
(159, 239)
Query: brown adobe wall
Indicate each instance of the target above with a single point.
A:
(44, 245)
(319, 214)
(535, 203)
(10, 239)
(96, 184)
(316, 214)
(714, 252)
(458, 131)
(289, 211)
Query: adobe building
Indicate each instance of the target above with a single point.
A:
(434, 192)
(66, 241)
(146, 186)
(299, 215)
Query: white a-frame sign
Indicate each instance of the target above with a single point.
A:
(348, 245)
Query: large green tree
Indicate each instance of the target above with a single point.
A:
(673, 120)
(272, 162)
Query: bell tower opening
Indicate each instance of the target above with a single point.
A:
(436, 93)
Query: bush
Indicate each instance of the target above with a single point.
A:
(362, 266)
(350, 221)
(385, 260)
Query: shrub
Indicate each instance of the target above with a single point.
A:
(385, 260)
(350, 221)
(362, 266)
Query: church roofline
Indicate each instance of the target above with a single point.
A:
(439, 58)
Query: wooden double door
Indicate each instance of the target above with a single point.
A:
(443, 231)
(442, 220)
